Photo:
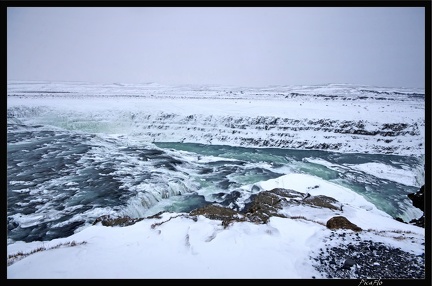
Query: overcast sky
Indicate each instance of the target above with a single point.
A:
(246, 46)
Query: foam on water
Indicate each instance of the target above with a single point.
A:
(68, 179)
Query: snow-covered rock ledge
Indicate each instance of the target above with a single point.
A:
(341, 118)
(361, 136)
(354, 135)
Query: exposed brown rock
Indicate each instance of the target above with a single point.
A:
(217, 212)
(341, 222)
(267, 204)
(262, 207)
(106, 220)
(323, 202)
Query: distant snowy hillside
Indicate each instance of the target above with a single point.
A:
(336, 117)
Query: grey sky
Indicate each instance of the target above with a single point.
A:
(230, 46)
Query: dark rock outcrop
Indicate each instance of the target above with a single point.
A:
(107, 220)
(323, 202)
(264, 205)
(419, 221)
(217, 212)
(268, 203)
(348, 263)
(418, 198)
(418, 201)
(338, 222)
